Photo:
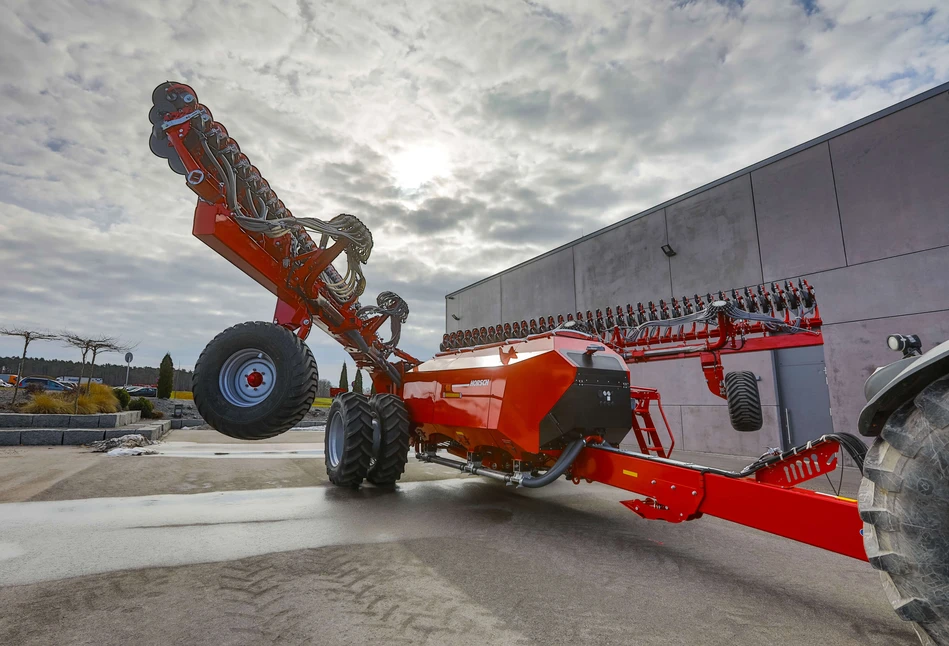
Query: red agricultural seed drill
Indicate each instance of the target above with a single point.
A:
(528, 402)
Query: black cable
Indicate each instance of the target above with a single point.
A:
(854, 447)
(840, 482)
(840, 467)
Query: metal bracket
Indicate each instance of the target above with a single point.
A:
(810, 462)
(673, 502)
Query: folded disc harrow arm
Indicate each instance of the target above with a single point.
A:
(240, 216)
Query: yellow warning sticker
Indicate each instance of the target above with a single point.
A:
(632, 474)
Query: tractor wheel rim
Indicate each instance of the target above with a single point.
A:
(248, 377)
(336, 437)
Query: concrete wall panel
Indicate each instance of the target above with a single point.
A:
(542, 288)
(854, 350)
(625, 265)
(883, 183)
(683, 382)
(892, 182)
(796, 209)
(715, 240)
(475, 306)
(706, 428)
(908, 284)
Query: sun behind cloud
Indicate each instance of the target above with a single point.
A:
(417, 165)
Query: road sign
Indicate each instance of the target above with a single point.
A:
(128, 357)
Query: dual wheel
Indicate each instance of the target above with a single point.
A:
(366, 439)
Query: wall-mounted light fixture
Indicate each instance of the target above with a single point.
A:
(668, 250)
(451, 298)
(456, 317)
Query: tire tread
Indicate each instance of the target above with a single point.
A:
(304, 378)
(904, 503)
(393, 454)
(744, 401)
(357, 444)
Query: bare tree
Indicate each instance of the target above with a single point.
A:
(82, 344)
(94, 346)
(28, 337)
(104, 344)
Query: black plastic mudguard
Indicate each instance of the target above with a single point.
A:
(903, 387)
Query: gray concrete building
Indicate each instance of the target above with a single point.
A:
(861, 212)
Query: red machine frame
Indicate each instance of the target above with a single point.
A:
(765, 498)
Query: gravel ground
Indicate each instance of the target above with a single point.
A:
(6, 397)
(167, 406)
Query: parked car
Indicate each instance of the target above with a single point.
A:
(47, 383)
(4, 384)
(142, 391)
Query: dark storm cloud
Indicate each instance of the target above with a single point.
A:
(469, 137)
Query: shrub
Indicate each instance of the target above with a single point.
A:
(45, 403)
(166, 377)
(123, 396)
(144, 405)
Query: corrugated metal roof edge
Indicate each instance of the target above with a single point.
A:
(885, 112)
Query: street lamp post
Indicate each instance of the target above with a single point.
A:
(128, 366)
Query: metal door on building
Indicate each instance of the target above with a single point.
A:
(803, 395)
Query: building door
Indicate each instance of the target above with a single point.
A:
(803, 395)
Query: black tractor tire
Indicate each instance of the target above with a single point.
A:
(348, 440)
(744, 401)
(290, 393)
(904, 504)
(392, 436)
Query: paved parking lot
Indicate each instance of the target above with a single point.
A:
(198, 547)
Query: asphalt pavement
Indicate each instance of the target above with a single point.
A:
(196, 546)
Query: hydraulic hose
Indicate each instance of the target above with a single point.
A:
(521, 480)
(560, 466)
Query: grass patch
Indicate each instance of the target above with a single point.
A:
(101, 399)
(47, 404)
(85, 406)
(97, 398)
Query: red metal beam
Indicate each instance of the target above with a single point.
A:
(825, 521)
(678, 493)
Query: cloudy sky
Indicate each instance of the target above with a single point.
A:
(468, 136)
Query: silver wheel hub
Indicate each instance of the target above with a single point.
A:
(335, 440)
(248, 377)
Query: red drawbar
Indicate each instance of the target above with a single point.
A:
(677, 493)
